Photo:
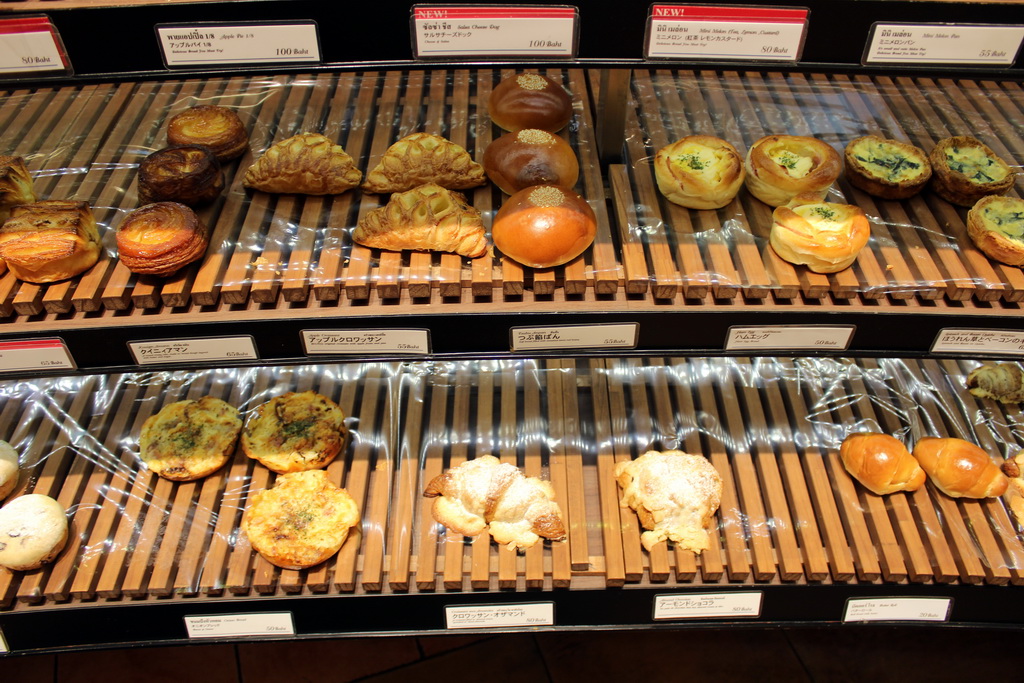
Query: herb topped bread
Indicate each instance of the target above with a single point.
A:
(780, 167)
(886, 168)
(295, 432)
(965, 169)
(996, 226)
(825, 237)
(699, 172)
(188, 440)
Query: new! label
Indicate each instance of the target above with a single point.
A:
(725, 32)
(234, 625)
(494, 31)
(705, 605)
(621, 336)
(203, 44)
(30, 44)
(1000, 342)
(789, 337)
(944, 44)
(35, 354)
(193, 350)
(898, 609)
(497, 616)
(365, 341)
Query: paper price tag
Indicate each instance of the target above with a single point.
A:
(29, 45)
(621, 336)
(213, 44)
(498, 616)
(365, 341)
(705, 605)
(234, 625)
(999, 342)
(790, 337)
(193, 350)
(944, 44)
(898, 609)
(35, 354)
(494, 31)
(725, 32)
(3, 644)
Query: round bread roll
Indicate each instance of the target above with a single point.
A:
(189, 174)
(699, 172)
(161, 238)
(965, 169)
(218, 128)
(779, 167)
(544, 226)
(530, 101)
(885, 168)
(530, 157)
(8, 469)
(996, 226)
(33, 530)
(824, 237)
(881, 463)
(295, 432)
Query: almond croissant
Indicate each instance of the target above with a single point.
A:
(307, 163)
(424, 158)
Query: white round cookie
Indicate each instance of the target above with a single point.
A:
(33, 529)
(8, 469)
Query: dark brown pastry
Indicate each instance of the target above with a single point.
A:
(218, 128)
(530, 101)
(965, 169)
(15, 185)
(161, 238)
(530, 157)
(189, 174)
(49, 241)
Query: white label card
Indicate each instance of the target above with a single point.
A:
(794, 337)
(726, 32)
(515, 30)
(705, 605)
(944, 44)
(623, 336)
(200, 44)
(193, 350)
(233, 625)
(898, 609)
(3, 644)
(1001, 342)
(365, 341)
(29, 44)
(498, 616)
(35, 354)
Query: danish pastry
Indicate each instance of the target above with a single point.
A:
(423, 158)
(530, 101)
(161, 238)
(824, 237)
(308, 163)
(544, 226)
(217, 128)
(1003, 382)
(779, 167)
(885, 168)
(295, 432)
(881, 463)
(15, 185)
(530, 157)
(699, 172)
(49, 240)
(996, 226)
(965, 169)
(188, 440)
(188, 174)
(33, 531)
(8, 469)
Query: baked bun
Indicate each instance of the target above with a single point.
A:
(189, 174)
(423, 158)
(996, 226)
(49, 240)
(960, 469)
(300, 522)
(1013, 468)
(161, 238)
(544, 226)
(964, 170)
(699, 172)
(530, 101)
(308, 163)
(825, 237)
(1003, 382)
(885, 168)
(188, 440)
(295, 432)
(218, 128)
(8, 469)
(33, 531)
(881, 463)
(530, 157)
(15, 185)
(779, 167)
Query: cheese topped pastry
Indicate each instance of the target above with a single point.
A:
(295, 432)
(699, 172)
(966, 169)
(779, 167)
(188, 440)
(996, 226)
(886, 168)
(825, 237)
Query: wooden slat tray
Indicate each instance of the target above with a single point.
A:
(919, 247)
(771, 427)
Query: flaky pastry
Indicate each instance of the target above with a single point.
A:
(886, 168)
(49, 240)
(161, 238)
(779, 167)
(15, 185)
(1003, 382)
(825, 237)
(188, 174)
(699, 172)
(423, 158)
(218, 128)
(964, 169)
(308, 163)
(996, 226)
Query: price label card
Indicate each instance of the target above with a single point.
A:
(30, 45)
(498, 616)
(622, 336)
(998, 342)
(234, 625)
(255, 43)
(705, 605)
(193, 350)
(3, 644)
(943, 44)
(725, 32)
(898, 609)
(365, 341)
(494, 31)
(790, 337)
(35, 354)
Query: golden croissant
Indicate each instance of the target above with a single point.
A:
(424, 158)
(307, 163)
(485, 493)
(427, 218)
(15, 185)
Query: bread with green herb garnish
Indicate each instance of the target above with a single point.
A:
(188, 440)
(780, 167)
(699, 172)
(996, 226)
(886, 168)
(824, 237)
(295, 432)
(965, 169)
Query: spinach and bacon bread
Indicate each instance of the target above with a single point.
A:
(965, 169)
(996, 226)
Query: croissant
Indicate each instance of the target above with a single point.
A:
(308, 163)
(50, 240)
(959, 468)
(881, 463)
(427, 218)
(1003, 382)
(15, 185)
(424, 158)
(675, 495)
(485, 493)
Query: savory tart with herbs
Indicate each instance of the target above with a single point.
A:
(188, 440)
(996, 226)
(965, 170)
(295, 432)
(886, 168)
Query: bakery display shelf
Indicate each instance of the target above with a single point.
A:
(790, 514)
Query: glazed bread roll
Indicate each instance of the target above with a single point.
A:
(33, 531)
(188, 174)
(308, 163)
(699, 172)
(824, 237)
(996, 226)
(8, 469)
(881, 463)
(780, 167)
(544, 226)
(1013, 468)
(49, 240)
(959, 468)
(15, 185)
(886, 168)
(530, 157)
(161, 238)
(530, 101)
(965, 169)
(295, 432)
(217, 128)
(188, 440)
(1003, 382)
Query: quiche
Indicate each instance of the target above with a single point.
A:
(886, 168)
(295, 432)
(965, 169)
(996, 226)
(699, 172)
(188, 440)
